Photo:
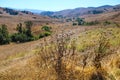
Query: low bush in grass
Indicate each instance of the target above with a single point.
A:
(74, 24)
(44, 34)
(106, 23)
(46, 28)
(19, 37)
(23, 34)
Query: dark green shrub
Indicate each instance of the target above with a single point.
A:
(46, 28)
(4, 40)
(80, 21)
(106, 23)
(28, 25)
(45, 34)
(31, 38)
(19, 37)
(74, 23)
(41, 35)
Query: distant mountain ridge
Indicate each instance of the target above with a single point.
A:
(14, 11)
(63, 13)
(81, 11)
(35, 11)
(11, 11)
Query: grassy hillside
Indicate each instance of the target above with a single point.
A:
(11, 20)
(80, 11)
(68, 58)
(110, 16)
(86, 51)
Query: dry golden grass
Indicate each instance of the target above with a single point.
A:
(41, 64)
(109, 16)
(39, 60)
(12, 20)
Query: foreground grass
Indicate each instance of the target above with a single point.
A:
(75, 65)
(90, 38)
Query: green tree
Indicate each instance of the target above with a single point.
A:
(19, 28)
(4, 35)
(24, 34)
(29, 25)
(80, 21)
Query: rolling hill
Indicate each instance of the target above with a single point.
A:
(82, 11)
(80, 52)
(12, 17)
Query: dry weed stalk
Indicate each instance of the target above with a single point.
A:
(57, 55)
(102, 51)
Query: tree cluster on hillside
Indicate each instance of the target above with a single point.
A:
(24, 34)
(95, 12)
(11, 11)
(81, 21)
(27, 12)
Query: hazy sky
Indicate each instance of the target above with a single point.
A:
(55, 5)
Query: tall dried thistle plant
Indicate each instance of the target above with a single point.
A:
(57, 55)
